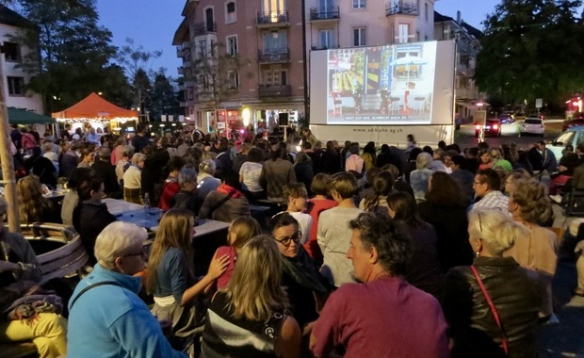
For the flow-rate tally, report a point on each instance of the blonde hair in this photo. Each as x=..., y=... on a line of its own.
x=534, y=203
x=138, y=157
x=32, y=205
x=175, y=230
x=255, y=290
x=423, y=160
x=495, y=229
x=344, y=183
x=244, y=229
x=118, y=239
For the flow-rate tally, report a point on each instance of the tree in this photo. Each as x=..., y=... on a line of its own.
x=216, y=74
x=164, y=97
x=531, y=49
x=70, y=53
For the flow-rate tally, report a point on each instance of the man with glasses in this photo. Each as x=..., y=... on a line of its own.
x=487, y=186
x=383, y=315
x=107, y=318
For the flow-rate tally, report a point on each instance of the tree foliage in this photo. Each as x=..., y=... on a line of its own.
x=70, y=53
x=532, y=49
x=163, y=97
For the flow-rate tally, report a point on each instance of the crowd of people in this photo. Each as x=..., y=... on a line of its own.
x=422, y=252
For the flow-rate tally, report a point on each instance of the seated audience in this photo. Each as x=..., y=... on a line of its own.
x=423, y=269
x=445, y=209
x=495, y=278
x=170, y=277
x=297, y=198
x=463, y=177
x=485, y=159
x=34, y=319
x=276, y=172
x=319, y=203
x=383, y=316
x=377, y=201
x=250, y=172
x=42, y=167
x=369, y=155
x=32, y=205
x=536, y=251
x=207, y=182
x=171, y=185
x=68, y=159
x=419, y=177
x=107, y=318
x=123, y=164
x=354, y=162
x=71, y=199
x=487, y=186
x=133, y=179
x=104, y=171
x=226, y=203
x=241, y=230
x=333, y=237
x=91, y=216
x=330, y=160
x=307, y=289
x=252, y=310
x=303, y=169
x=86, y=158
x=187, y=197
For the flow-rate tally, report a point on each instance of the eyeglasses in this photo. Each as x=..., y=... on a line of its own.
x=143, y=252
x=287, y=240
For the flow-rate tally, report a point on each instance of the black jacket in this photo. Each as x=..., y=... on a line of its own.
x=105, y=172
x=330, y=162
x=473, y=328
x=43, y=168
x=304, y=174
x=89, y=219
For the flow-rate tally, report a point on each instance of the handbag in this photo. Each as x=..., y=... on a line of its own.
x=493, y=309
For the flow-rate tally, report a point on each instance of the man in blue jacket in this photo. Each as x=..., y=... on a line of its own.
x=107, y=318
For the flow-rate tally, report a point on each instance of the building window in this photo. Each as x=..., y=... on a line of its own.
x=418, y=8
x=230, y=14
x=232, y=45
x=359, y=4
x=202, y=49
x=276, y=77
x=15, y=86
x=359, y=38
x=11, y=52
x=209, y=20
x=273, y=7
x=233, y=78
x=326, y=38
x=212, y=49
x=426, y=11
x=275, y=40
x=403, y=33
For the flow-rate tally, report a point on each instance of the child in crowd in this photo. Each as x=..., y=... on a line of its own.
x=316, y=205
x=297, y=198
x=240, y=232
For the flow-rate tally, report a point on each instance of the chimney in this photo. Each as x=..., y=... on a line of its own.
x=458, y=18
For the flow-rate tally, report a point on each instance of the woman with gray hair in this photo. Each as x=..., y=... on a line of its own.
x=207, y=183
x=124, y=163
x=133, y=179
x=419, y=178
x=106, y=303
x=187, y=197
x=492, y=306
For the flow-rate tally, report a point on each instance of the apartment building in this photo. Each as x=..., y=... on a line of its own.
x=467, y=48
x=242, y=62
x=353, y=23
x=15, y=79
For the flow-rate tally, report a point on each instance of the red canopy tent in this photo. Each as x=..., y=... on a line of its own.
x=95, y=107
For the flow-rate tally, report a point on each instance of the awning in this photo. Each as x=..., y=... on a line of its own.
x=94, y=106
x=24, y=117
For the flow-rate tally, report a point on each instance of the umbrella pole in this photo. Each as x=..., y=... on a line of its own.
x=7, y=162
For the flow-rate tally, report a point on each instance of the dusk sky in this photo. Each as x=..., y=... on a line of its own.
x=152, y=23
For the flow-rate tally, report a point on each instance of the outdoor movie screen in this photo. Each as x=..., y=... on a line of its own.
x=393, y=84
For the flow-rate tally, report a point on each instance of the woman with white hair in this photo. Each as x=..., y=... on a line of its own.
x=492, y=306
x=207, y=183
x=133, y=179
x=419, y=178
x=105, y=310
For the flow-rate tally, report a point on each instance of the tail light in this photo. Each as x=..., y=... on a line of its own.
x=478, y=127
x=495, y=126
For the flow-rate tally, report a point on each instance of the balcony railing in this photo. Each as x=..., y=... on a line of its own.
x=318, y=48
x=277, y=55
x=267, y=91
x=272, y=18
x=329, y=14
x=401, y=8
x=203, y=29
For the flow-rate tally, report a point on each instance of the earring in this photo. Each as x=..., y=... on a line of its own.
x=477, y=254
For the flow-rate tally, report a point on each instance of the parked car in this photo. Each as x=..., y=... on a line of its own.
x=506, y=118
x=492, y=127
x=572, y=136
x=532, y=126
x=577, y=120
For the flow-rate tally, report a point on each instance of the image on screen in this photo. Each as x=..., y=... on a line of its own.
x=391, y=84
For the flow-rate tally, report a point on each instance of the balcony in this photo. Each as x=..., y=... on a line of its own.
x=401, y=8
x=267, y=91
x=272, y=19
x=328, y=14
x=319, y=48
x=201, y=29
x=277, y=55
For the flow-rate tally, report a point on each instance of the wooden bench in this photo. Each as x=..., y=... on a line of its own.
x=67, y=259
